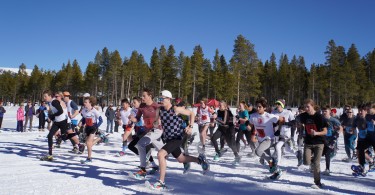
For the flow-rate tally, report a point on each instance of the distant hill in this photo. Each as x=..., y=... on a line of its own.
x=15, y=70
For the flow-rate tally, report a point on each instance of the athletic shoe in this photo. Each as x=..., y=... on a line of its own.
x=217, y=156
x=140, y=173
x=186, y=167
x=203, y=162
x=46, y=158
x=317, y=186
x=159, y=185
x=75, y=150
x=237, y=160
x=121, y=153
x=273, y=165
x=326, y=172
x=87, y=161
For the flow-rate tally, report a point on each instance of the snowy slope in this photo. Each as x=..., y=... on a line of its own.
x=22, y=173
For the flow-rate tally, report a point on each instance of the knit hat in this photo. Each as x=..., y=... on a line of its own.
x=281, y=102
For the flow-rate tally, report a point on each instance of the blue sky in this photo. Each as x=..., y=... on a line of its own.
x=49, y=33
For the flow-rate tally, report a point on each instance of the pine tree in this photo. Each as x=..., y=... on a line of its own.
x=245, y=67
x=77, y=79
x=186, y=79
x=33, y=85
x=197, y=70
x=217, y=77
x=156, y=72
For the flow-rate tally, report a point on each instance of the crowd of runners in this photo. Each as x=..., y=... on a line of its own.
x=266, y=131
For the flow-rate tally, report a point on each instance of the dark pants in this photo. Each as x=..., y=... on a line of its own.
x=228, y=133
x=116, y=126
x=19, y=126
x=63, y=126
x=132, y=147
x=315, y=150
x=42, y=120
x=1, y=121
x=248, y=138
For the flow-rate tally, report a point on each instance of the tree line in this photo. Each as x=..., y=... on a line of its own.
x=344, y=78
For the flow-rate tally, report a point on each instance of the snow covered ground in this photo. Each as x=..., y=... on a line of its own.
x=22, y=173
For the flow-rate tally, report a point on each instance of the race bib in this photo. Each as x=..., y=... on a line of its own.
x=204, y=117
x=261, y=133
x=149, y=123
x=89, y=122
x=310, y=127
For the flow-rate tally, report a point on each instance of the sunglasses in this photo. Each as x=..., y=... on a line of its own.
x=160, y=99
x=56, y=96
x=350, y=112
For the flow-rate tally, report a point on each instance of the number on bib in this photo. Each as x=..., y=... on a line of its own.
x=148, y=123
x=261, y=133
x=89, y=122
x=310, y=127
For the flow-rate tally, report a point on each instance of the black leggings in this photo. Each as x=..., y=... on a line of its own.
x=132, y=147
x=228, y=133
x=248, y=138
x=63, y=126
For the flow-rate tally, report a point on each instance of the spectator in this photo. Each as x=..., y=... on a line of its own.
x=110, y=114
x=20, y=118
x=42, y=116
x=117, y=118
x=29, y=113
x=2, y=111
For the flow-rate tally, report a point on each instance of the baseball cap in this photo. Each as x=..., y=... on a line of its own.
x=167, y=94
x=86, y=95
x=66, y=93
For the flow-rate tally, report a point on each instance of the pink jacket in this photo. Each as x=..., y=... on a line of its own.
x=20, y=114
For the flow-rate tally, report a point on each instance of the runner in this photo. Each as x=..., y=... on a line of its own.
x=333, y=130
x=151, y=135
x=126, y=124
x=283, y=131
x=315, y=129
x=262, y=125
x=204, y=113
x=91, y=120
x=73, y=112
x=59, y=122
x=226, y=129
x=350, y=135
x=243, y=119
x=301, y=135
x=173, y=134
